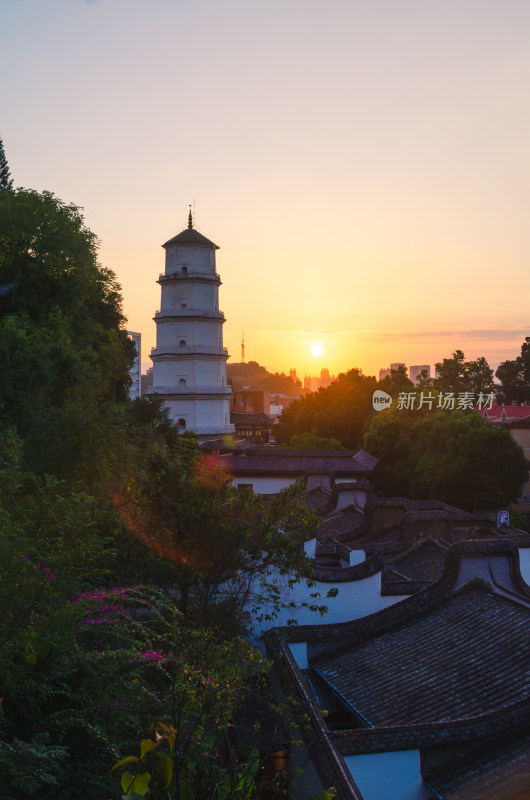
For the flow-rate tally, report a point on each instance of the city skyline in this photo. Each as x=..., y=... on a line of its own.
x=363, y=168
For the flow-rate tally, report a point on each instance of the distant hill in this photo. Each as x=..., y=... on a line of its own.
x=258, y=378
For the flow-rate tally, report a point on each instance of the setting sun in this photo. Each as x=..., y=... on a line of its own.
x=317, y=350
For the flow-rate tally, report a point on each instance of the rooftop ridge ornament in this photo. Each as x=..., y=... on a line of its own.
x=190, y=220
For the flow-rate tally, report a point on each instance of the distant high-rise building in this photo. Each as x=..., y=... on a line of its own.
x=383, y=373
x=135, y=371
x=414, y=371
x=397, y=365
x=325, y=378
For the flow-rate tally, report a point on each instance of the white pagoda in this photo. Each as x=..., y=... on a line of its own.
x=189, y=361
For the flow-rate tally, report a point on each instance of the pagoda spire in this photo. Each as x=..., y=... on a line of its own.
x=190, y=220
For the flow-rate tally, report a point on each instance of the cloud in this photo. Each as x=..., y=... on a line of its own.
x=383, y=335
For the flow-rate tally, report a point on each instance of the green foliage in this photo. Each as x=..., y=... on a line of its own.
x=515, y=377
x=457, y=375
x=98, y=496
x=311, y=441
x=340, y=411
x=5, y=176
x=179, y=503
x=398, y=381
x=344, y=410
x=258, y=378
x=455, y=457
x=64, y=356
x=199, y=681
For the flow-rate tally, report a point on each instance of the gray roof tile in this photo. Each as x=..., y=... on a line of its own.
x=468, y=656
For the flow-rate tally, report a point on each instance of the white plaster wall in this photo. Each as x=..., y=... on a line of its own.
x=207, y=414
x=524, y=563
x=182, y=408
x=205, y=295
x=264, y=485
x=196, y=258
x=299, y=651
x=389, y=776
x=211, y=413
x=310, y=547
x=195, y=295
x=357, y=557
x=355, y=599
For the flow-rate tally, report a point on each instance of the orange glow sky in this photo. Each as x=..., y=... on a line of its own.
x=364, y=166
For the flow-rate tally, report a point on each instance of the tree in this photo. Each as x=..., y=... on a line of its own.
x=339, y=411
x=311, y=441
x=6, y=181
x=424, y=380
x=456, y=457
x=218, y=541
x=253, y=375
x=457, y=375
x=64, y=352
x=515, y=377
x=398, y=381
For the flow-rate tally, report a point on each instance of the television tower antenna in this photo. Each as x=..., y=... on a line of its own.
x=243, y=347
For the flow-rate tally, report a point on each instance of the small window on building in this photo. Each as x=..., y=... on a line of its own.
x=526, y=499
x=181, y=422
x=182, y=343
x=184, y=270
x=182, y=381
x=184, y=305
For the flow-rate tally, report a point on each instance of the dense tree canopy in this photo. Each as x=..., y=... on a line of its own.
x=6, y=181
x=340, y=411
x=458, y=375
x=64, y=353
x=453, y=456
x=127, y=560
x=515, y=376
x=312, y=441
x=258, y=378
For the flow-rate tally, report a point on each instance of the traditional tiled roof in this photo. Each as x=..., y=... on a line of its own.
x=317, y=499
x=252, y=418
x=497, y=770
x=338, y=523
x=468, y=656
x=301, y=462
x=423, y=563
x=450, y=665
x=225, y=444
x=190, y=236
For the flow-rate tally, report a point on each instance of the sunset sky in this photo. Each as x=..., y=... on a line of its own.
x=363, y=166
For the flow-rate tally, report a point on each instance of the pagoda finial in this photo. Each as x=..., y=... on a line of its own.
x=190, y=219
